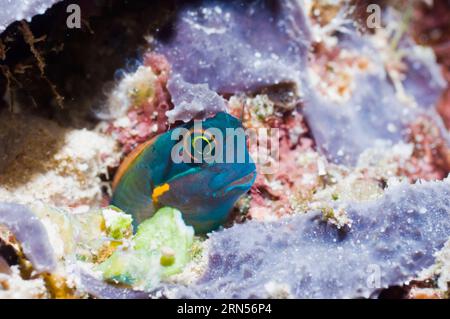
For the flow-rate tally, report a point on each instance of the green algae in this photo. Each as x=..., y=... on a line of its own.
x=161, y=248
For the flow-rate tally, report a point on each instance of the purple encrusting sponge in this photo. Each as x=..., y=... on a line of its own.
x=391, y=240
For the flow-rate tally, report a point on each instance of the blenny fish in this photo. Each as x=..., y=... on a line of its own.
x=200, y=171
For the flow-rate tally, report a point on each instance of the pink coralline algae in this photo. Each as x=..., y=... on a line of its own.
x=430, y=28
x=267, y=200
x=431, y=156
x=146, y=118
x=390, y=241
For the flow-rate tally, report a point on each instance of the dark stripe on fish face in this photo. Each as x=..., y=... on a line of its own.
x=242, y=184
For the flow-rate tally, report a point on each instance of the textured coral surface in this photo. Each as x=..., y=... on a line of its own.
x=351, y=198
x=389, y=242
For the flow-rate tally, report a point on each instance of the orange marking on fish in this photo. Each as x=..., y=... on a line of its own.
x=158, y=191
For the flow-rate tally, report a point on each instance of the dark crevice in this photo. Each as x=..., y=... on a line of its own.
x=68, y=71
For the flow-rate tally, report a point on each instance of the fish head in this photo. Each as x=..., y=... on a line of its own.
x=201, y=168
x=211, y=170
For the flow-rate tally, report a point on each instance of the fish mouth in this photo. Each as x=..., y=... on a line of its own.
x=242, y=183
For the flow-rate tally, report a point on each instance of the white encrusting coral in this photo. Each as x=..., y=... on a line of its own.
x=42, y=161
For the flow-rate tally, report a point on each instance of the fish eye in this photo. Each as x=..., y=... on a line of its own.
x=199, y=145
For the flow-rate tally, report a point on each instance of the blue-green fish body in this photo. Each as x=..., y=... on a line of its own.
x=168, y=171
